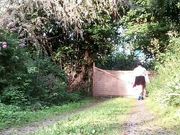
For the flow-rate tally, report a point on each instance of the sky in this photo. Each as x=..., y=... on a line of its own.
x=126, y=48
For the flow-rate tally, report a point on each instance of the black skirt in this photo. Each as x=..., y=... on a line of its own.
x=140, y=80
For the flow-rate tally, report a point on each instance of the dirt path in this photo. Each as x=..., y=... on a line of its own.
x=140, y=122
x=34, y=127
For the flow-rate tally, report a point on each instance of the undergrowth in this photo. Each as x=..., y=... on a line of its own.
x=165, y=88
x=167, y=117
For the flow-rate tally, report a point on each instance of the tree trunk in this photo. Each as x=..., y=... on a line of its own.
x=83, y=79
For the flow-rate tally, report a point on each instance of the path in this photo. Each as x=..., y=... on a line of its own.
x=34, y=127
x=140, y=122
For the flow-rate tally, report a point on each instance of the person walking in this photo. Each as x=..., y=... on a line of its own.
x=140, y=80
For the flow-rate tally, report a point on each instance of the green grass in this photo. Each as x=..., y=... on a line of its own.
x=12, y=116
x=167, y=117
x=104, y=119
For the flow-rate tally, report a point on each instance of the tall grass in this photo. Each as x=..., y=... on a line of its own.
x=165, y=88
x=167, y=117
x=104, y=119
x=11, y=116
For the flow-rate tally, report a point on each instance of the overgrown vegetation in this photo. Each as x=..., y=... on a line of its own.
x=106, y=118
x=13, y=116
x=27, y=80
x=152, y=26
x=55, y=44
x=54, y=48
x=117, y=61
x=166, y=117
x=72, y=33
x=165, y=89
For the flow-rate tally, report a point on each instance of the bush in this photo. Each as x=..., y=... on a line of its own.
x=117, y=61
x=25, y=80
x=166, y=87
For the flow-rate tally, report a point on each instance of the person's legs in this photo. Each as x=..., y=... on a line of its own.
x=143, y=86
x=144, y=90
x=140, y=84
x=140, y=92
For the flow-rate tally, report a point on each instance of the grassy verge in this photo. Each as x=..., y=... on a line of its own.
x=167, y=117
x=104, y=119
x=14, y=116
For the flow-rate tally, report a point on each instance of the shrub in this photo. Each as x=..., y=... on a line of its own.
x=166, y=87
x=25, y=80
x=117, y=61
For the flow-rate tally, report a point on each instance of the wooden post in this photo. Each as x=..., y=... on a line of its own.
x=93, y=79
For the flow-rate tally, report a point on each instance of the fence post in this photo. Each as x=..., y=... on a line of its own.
x=93, y=78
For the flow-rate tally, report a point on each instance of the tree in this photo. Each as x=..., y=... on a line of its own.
x=149, y=23
x=73, y=33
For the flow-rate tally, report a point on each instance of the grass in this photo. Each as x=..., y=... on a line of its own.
x=13, y=116
x=167, y=117
x=106, y=118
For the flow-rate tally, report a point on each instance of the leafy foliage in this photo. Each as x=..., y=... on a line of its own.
x=69, y=14
x=25, y=81
x=152, y=26
x=118, y=61
x=166, y=10
x=145, y=33
x=148, y=24
x=74, y=39
x=73, y=33
x=165, y=88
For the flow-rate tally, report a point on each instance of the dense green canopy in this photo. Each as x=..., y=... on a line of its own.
x=76, y=33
